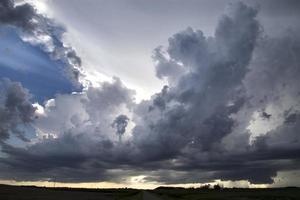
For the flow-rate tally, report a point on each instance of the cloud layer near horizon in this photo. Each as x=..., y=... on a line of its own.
x=202, y=126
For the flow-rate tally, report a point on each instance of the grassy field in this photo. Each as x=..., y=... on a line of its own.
x=230, y=194
x=40, y=193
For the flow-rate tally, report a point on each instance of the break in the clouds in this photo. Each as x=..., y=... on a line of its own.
x=33, y=53
x=229, y=110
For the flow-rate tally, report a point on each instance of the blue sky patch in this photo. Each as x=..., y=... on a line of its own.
x=30, y=65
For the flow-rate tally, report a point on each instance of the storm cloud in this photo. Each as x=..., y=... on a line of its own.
x=201, y=126
x=15, y=110
x=21, y=16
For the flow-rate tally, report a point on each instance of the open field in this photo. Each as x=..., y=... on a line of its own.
x=230, y=194
x=40, y=193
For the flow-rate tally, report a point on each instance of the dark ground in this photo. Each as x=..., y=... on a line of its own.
x=40, y=193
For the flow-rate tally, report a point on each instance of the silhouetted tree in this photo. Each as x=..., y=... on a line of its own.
x=217, y=187
x=205, y=187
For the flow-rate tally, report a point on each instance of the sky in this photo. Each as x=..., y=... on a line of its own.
x=98, y=93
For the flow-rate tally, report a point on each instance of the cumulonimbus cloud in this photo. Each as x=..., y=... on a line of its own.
x=15, y=109
x=195, y=130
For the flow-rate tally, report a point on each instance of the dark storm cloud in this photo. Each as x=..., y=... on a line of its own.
x=271, y=80
x=274, y=12
x=292, y=118
x=55, y=159
x=21, y=16
x=280, y=7
x=196, y=107
x=35, y=25
x=82, y=121
x=214, y=84
x=195, y=129
x=165, y=67
x=15, y=109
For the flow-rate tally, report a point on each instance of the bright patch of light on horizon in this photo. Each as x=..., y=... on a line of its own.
x=138, y=179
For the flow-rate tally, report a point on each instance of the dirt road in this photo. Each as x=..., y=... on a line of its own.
x=146, y=195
